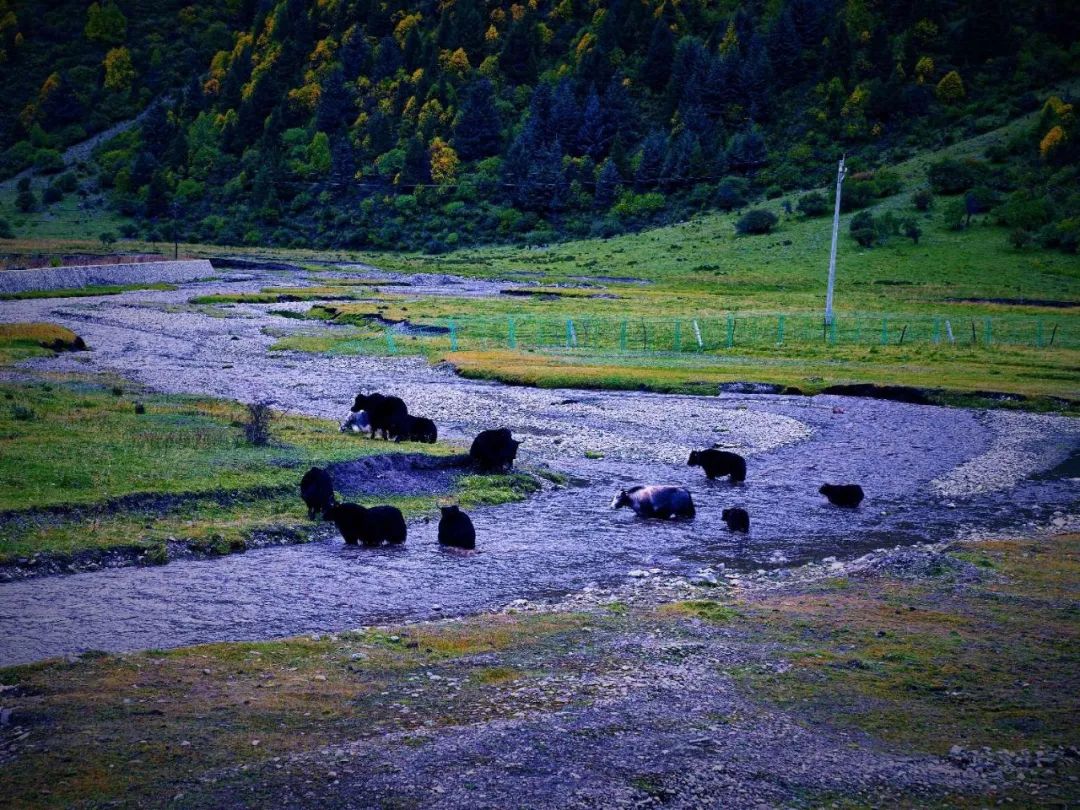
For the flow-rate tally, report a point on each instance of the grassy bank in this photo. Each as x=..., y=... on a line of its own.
x=82, y=292
x=87, y=464
x=915, y=665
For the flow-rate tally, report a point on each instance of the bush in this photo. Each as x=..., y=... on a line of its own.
x=5, y=230
x=257, y=424
x=922, y=199
x=955, y=215
x=863, y=230
x=953, y=176
x=67, y=182
x=756, y=221
x=731, y=193
x=23, y=184
x=813, y=204
x=1021, y=239
x=48, y=161
x=108, y=238
x=26, y=201
x=1025, y=211
x=1064, y=235
x=911, y=230
x=51, y=195
x=856, y=194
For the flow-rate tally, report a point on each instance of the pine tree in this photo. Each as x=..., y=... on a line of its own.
x=608, y=185
x=595, y=133
x=785, y=47
x=651, y=162
x=335, y=110
x=477, y=131
x=656, y=70
x=356, y=56
x=566, y=116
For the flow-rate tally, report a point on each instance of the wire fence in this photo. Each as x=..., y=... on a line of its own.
x=719, y=334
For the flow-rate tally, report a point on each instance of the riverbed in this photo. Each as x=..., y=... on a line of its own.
x=929, y=473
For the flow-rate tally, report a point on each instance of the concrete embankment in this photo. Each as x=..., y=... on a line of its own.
x=55, y=278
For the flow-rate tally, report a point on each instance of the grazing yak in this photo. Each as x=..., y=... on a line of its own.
x=656, y=501
x=718, y=463
x=847, y=495
x=456, y=529
x=494, y=449
x=317, y=491
x=357, y=422
x=368, y=525
x=737, y=519
x=414, y=429
x=383, y=412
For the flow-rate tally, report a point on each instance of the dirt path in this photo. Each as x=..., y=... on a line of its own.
x=929, y=473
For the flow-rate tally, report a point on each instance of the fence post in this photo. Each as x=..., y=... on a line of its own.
x=678, y=336
x=884, y=331
x=948, y=331
x=390, y=345
x=622, y=337
x=1038, y=333
x=780, y=331
x=511, y=333
x=571, y=335
x=453, y=335
x=987, y=336
x=697, y=335
x=730, y=331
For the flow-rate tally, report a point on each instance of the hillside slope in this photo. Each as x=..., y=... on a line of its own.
x=424, y=125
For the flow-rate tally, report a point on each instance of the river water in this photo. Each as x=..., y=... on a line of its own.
x=929, y=473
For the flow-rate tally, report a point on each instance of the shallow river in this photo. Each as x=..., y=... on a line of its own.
x=928, y=472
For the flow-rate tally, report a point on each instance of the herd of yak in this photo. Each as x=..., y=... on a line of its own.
x=495, y=450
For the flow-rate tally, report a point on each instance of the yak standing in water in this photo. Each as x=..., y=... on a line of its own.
x=846, y=495
x=718, y=463
x=656, y=501
x=456, y=529
x=368, y=525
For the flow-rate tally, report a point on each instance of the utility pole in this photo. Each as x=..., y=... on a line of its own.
x=840, y=175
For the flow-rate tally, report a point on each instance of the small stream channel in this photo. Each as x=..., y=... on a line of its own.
x=929, y=473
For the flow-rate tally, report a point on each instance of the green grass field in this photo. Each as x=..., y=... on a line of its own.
x=82, y=443
x=634, y=300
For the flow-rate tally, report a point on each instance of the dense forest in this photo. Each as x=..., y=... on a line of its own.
x=424, y=124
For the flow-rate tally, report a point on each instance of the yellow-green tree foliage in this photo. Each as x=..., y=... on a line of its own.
x=119, y=70
x=950, y=90
x=105, y=23
x=444, y=162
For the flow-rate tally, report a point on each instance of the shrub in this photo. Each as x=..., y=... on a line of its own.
x=950, y=90
x=108, y=239
x=26, y=201
x=813, y=204
x=731, y=193
x=922, y=199
x=51, y=195
x=953, y=176
x=756, y=221
x=20, y=413
x=1021, y=238
x=5, y=230
x=856, y=194
x=23, y=184
x=67, y=182
x=1025, y=211
x=863, y=229
x=257, y=424
x=911, y=230
x=955, y=215
x=48, y=161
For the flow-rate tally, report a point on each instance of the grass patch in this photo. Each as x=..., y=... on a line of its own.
x=703, y=609
x=19, y=341
x=81, y=292
x=928, y=665
x=138, y=727
x=181, y=469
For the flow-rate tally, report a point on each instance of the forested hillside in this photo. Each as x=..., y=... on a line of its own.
x=413, y=123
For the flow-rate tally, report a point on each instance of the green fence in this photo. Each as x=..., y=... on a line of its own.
x=730, y=332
